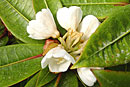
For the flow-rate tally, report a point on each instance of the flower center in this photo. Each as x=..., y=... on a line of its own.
x=59, y=60
x=72, y=42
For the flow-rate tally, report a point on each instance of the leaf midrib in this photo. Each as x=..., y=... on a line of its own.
x=127, y=32
x=17, y=11
x=112, y=3
x=19, y=61
x=23, y=60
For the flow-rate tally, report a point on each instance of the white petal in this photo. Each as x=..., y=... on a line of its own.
x=57, y=59
x=69, y=58
x=62, y=67
x=32, y=30
x=86, y=76
x=88, y=26
x=46, y=58
x=49, y=54
x=44, y=62
x=63, y=17
x=60, y=52
x=43, y=27
x=69, y=17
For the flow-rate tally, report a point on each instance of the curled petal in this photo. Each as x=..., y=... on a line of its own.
x=86, y=76
x=44, y=62
x=88, y=26
x=69, y=17
x=54, y=66
x=43, y=27
x=57, y=59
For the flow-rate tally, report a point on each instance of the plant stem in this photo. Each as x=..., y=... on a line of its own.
x=58, y=80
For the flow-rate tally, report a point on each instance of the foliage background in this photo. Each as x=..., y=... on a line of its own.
x=109, y=46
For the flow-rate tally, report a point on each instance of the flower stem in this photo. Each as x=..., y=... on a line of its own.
x=58, y=80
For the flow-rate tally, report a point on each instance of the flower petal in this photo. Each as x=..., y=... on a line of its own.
x=69, y=17
x=44, y=62
x=88, y=26
x=57, y=59
x=86, y=76
x=61, y=67
x=60, y=52
x=43, y=27
x=69, y=58
x=46, y=58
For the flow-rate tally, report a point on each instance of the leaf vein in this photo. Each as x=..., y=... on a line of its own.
x=17, y=11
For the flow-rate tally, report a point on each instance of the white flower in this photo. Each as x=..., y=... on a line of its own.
x=69, y=18
x=43, y=27
x=57, y=59
x=87, y=76
x=88, y=26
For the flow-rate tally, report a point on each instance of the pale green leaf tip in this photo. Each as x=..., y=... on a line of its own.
x=74, y=66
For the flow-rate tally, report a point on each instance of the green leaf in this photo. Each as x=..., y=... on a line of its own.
x=68, y=79
x=108, y=78
x=1, y=25
x=124, y=67
x=81, y=85
x=38, y=5
x=51, y=84
x=11, y=70
x=23, y=6
x=53, y=5
x=16, y=14
x=99, y=8
x=22, y=83
x=3, y=41
x=41, y=78
x=110, y=44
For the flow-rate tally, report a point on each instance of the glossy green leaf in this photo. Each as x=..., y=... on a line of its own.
x=68, y=79
x=23, y=6
x=16, y=14
x=11, y=71
x=1, y=25
x=110, y=44
x=41, y=78
x=108, y=78
x=124, y=67
x=22, y=83
x=51, y=84
x=3, y=41
x=81, y=85
x=53, y=5
x=99, y=8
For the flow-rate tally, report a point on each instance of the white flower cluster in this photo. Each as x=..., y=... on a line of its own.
x=57, y=58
